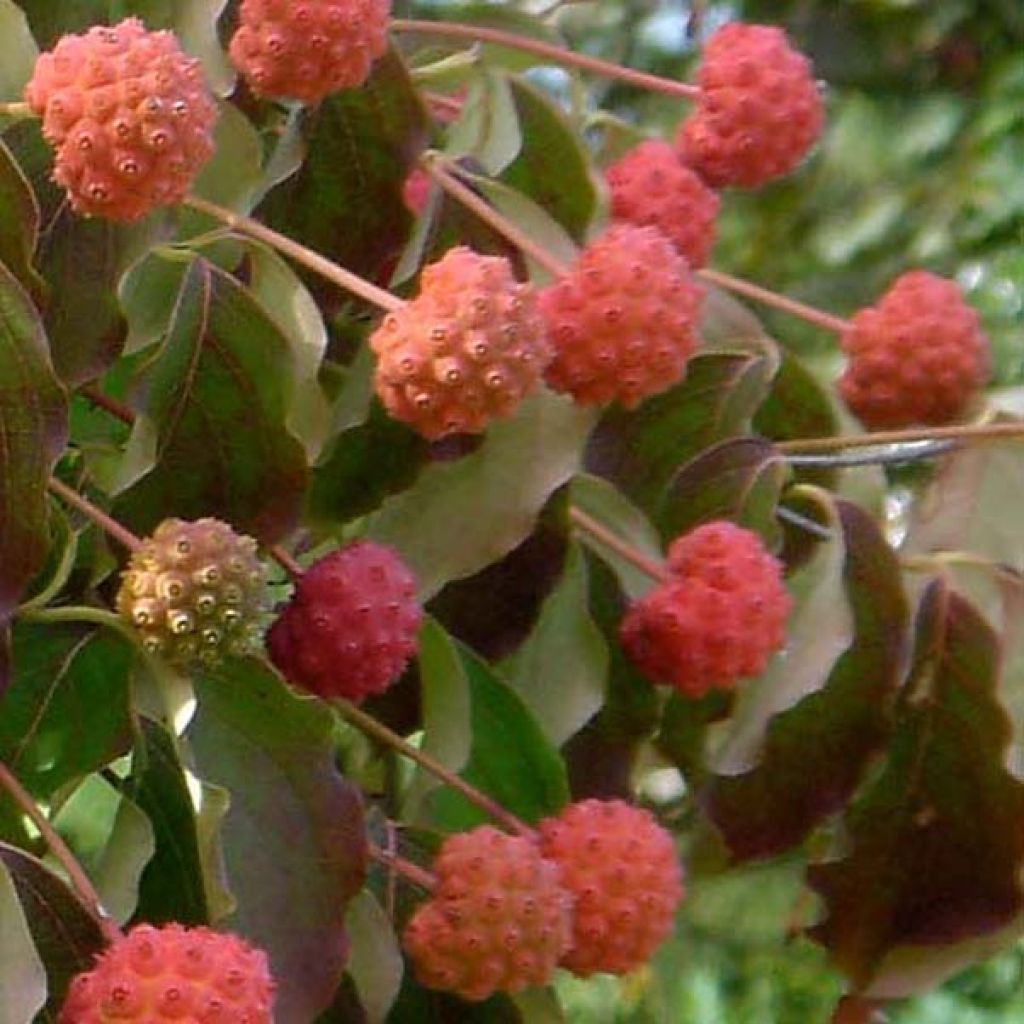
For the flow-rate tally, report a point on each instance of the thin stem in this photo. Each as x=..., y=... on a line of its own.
x=432, y=164
x=411, y=872
x=897, y=455
x=964, y=433
x=16, y=109
x=369, y=725
x=443, y=107
x=286, y=561
x=327, y=269
x=111, y=526
x=769, y=298
x=556, y=54
x=599, y=532
x=111, y=405
x=79, y=879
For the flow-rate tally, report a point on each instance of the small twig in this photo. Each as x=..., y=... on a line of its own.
x=908, y=452
x=84, y=888
x=433, y=164
x=286, y=561
x=556, y=54
x=107, y=523
x=601, y=533
x=787, y=515
x=962, y=433
x=371, y=727
x=409, y=871
x=769, y=298
x=111, y=405
x=327, y=269
x=16, y=109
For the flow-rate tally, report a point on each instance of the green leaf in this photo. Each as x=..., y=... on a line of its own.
x=22, y=975
x=493, y=496
x=211, y=438
x=293, y=839
x=67, y=712
x=19, y=52
x=375, y=962
x=814, y=732
x=560, y=670
x=345, y=201
x=66, y=938
x=510, y=758
x=233, y=175
x=33, y=424
x=19, y=222
x=935, y=845
x=487, y=130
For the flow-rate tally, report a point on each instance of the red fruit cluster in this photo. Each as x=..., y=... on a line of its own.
x=919, y=356
x=621, y=868
x=650, y=186
x=465, y=351
x=306, y=49
x=718, y=619
x=498, y=920
x=350, y=627
x=128, y=115
x=623, y=319
x=192, y=975
x=759, y=110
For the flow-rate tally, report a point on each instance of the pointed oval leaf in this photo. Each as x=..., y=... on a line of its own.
x=376, y=964
x=487, y=129
x=22, y=975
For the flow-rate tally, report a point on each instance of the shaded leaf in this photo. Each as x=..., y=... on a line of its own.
x=18, y=52
x=375, y=964
x=19, y=222
x=293, y=839
x=211, y=438
x=936, y=843
x=487, y=129
x=21, y=971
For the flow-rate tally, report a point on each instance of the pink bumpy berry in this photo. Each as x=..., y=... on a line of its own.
x=621, y=868
x=718, y=619
x=759, y=110
x=129, y=118
x=649, y=185
x=919, y=356
x=350, y=627
x=498, y=920
x=465, y=351
x=623, y=319
x=192, y=975
x=306, y=49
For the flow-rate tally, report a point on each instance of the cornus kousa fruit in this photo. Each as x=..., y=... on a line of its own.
x=351, y=625
x=919, y=356
x=465, y=351
x=190, y=975
x=306, y=49
x=759, y=110
x=195, y=591
x=718, y=619
x=498, y=920
x=621, y=869
x=623, y=319
x=649, y=185
x=128, y=116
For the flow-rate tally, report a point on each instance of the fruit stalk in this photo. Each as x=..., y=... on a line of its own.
x=963, y=433
x=556, y=54
x=107, y=523
x=409, y=871
x=84, y=888
x=602, y=534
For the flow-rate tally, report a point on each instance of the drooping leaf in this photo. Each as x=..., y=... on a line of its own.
x=33, y=423
x=560, y=670
x=487, y=130
x=66, y=937
x=293, y=840
x=67, y=711
x=22, y=975
x=211, y=436
x=18, y=51
x=936, y=843
x=812, y=733
x=460, y=516
x=510, y=759
x=375, y=964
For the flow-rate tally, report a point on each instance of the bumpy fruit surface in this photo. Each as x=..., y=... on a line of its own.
x=623, y=319
x=128, y=116
x=621, y=868
x=718, y=619
x=189, y=975
x=498, y=920
x=350, y=628
x=306, y=49
x=919, y=356
x=649, y=185
x=465, y=351
x=195, y=591
x=759, y=110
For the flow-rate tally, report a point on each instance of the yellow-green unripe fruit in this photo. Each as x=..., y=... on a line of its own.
x=195, y=591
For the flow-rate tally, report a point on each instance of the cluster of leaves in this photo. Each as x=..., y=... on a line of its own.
x=880, y=747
